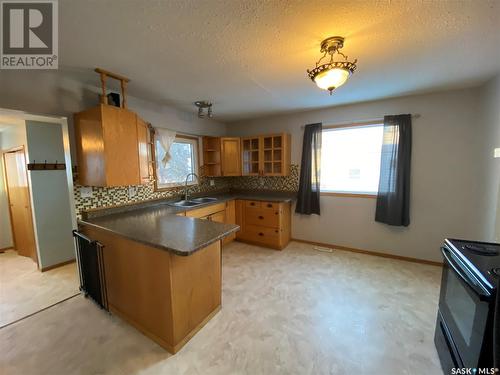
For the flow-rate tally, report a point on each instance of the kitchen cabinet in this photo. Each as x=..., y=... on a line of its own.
x=230, y=156
x=266, y=155
x=112, y=147
x=143, y=142
x=211, y=157
x=219, y=212
x=221, y=156
x=230, y=218
x=264, y=223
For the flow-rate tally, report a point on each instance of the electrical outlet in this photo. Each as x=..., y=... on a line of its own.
x=261, y=182
x=132, y=191
x=212, y=182
x=86, y=192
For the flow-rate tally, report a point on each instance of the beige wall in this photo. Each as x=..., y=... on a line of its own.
x=63, y=94
x=490, y=98
x=447, y=168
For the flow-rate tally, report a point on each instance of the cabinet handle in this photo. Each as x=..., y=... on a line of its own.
x=277, y=231
x=269, y=205
x=261, y=217
x=276, y=213
x=261, y=234
x=252, y=204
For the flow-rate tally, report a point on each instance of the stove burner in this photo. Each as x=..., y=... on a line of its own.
x=495, y=271
x=480, y=249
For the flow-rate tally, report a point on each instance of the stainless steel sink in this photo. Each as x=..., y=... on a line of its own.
x=203, y=200
x=193, y=202
x=184, y=204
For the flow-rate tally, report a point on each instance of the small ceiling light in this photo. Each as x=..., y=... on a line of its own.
x=202, y=106
x=330, y=75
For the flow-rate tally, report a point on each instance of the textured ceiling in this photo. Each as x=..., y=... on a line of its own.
x=250, y=56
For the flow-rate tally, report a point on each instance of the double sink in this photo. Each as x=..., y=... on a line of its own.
x=193, y=202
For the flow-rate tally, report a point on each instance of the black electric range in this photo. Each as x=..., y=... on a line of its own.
x=464, y=334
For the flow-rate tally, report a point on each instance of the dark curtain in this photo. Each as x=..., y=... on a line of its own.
x=308, y=197
x=393, y=198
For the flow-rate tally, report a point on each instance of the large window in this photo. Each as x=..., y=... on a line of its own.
x=350, y=159
x=183, y=160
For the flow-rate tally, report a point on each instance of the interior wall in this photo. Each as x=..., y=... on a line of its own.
x=49, y=189
x=491, y=118
x=446, y=168
x=5, y=228
x=62, y=93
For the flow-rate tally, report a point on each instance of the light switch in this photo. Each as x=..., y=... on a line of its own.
x=496, y=153
x=86, y=192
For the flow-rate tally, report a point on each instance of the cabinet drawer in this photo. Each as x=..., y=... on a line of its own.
x=270, y=205
x=262, y=217
x=264, y=235
x=205, y=211
x=252, y=204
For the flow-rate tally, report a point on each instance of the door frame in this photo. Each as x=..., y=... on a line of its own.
x=63, y=122
x=6, y=178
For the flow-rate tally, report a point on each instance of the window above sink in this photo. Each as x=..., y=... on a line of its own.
x=183, y=161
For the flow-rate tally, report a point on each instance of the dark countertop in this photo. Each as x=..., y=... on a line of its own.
x=156, y=224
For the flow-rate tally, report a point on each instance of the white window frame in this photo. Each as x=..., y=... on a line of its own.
x=179, y=138
x=343, y=193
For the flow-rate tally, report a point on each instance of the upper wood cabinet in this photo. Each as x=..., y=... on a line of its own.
x=221, y=156
x=230, y=156
x=112, y=147
x=266, y=155
x=212, y=157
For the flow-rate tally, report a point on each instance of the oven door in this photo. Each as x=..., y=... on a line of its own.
x=464, y=305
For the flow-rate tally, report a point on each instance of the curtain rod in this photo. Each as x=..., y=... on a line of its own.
x=360, y=122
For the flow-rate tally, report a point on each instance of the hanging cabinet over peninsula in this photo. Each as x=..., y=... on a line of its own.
x=111, y=147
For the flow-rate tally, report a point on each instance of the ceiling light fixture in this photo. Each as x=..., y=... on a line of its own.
x=202, y=105
x=330, y=75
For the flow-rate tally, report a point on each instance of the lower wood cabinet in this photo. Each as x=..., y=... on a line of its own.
x=219, y=212
x=264, y=223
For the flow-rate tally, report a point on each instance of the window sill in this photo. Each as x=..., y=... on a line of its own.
x=173, y=187
x=348, y=195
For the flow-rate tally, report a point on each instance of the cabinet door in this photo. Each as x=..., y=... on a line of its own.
x=230, y=219
x=230, y=156
x=142, y=140
x=120, y=146
x=251, y=156
x=218, y=217
x=240, y=213
x=275, y=155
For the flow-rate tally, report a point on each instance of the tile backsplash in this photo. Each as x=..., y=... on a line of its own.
x=106, y=197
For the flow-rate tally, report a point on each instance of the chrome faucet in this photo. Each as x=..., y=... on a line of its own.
x=186, y=193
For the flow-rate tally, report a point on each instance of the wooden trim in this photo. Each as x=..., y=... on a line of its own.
x=28, y=182
x=4, y=249
x=370, y=252
x=153, y=162
x=48, y=268
x=348, y=195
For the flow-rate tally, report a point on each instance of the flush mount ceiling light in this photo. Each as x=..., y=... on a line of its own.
x=202, y=105
x=330, y=75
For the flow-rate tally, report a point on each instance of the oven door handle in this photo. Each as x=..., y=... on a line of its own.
x=483, y=294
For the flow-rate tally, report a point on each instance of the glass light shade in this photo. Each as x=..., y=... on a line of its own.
x=332, y=78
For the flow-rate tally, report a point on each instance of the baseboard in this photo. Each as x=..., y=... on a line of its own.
x=369, y=252
x=57, y=265
x=4, y=249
